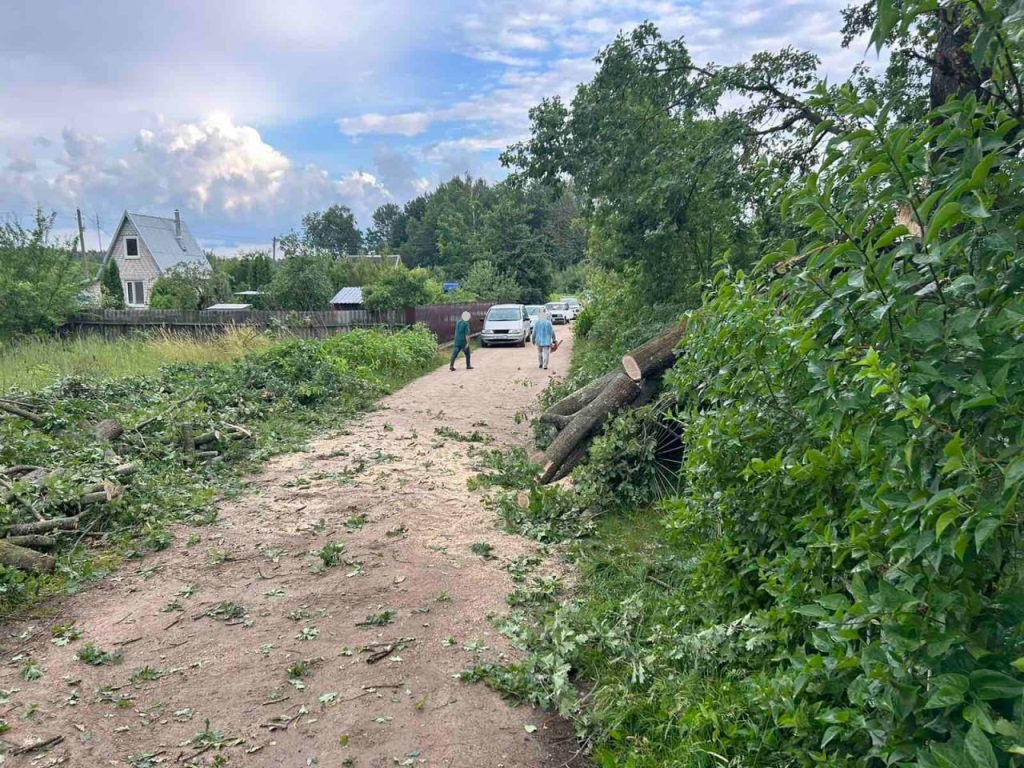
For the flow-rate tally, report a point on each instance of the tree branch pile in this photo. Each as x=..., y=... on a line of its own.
x=579, y=416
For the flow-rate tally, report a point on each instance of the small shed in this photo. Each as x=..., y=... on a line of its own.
x=348, y=298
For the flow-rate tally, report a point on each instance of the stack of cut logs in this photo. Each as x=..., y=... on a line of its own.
x=578, y=417
x=19, y=543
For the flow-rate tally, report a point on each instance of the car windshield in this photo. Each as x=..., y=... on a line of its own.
x=556, y=305
x=571, y=302
x=533, y=310
x=505, y=313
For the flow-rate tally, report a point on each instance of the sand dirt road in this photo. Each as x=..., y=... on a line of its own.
x=394, y=493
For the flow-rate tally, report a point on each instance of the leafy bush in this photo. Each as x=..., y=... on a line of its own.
x=189, y=287
x=399, y=287
x=301, y=282
x=40, y=279
x=111, y=287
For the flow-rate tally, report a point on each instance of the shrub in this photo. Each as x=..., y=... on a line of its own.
x=111, y=287
x=399, y=287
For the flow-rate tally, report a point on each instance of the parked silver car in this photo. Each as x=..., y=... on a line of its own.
x=506, y=324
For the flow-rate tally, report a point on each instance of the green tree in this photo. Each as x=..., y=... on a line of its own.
x=388, y=231
x=40, y=278
x=111, y=287
x=189, y=287
x=301, y=282
x=485, y=283
x=400, y=287
x=514, y=247
x=333, y=231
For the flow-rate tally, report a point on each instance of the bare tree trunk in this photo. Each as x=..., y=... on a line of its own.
x=108, y=430
x=581, y=397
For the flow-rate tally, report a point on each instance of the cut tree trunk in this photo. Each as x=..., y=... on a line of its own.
x=656, y=356
x=24, y=558
x=556, y=420
x=620, y=391
x=32, y=542
x=188, y=439
x=56, y=524
x=108, y=430
x=571, y=404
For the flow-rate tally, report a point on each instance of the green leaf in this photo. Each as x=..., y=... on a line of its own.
x=984, y=530
x=890, y=237
x=945, y=520
x=981, y=170
x=979, y=749
x=943, y=218
x=977, y=714
x=1014, y=473
x=947, y=691
x=989, y=685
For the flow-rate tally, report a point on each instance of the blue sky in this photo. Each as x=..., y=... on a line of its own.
x=246, y=114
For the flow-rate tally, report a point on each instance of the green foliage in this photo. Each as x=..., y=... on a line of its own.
x=40, y=279
x=90, y=654
x=835, y=579
x=189, y=287
x=509, y=469
x=485, y=283
x=400, y=287
x=332, y=232
x=302, y=282
x=111, y=287
x=282, y=393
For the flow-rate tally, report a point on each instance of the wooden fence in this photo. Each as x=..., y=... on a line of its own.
x=117, y=323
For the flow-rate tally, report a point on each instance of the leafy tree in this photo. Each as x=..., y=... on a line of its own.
x=333, y=231
x=514, y=247
x=388, y=231
x=111, y=287
x=301, y=282
x=485, y=283
x=40, y=278
x=189, y=287
x=400, y=287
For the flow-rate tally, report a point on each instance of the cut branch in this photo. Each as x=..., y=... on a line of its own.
x=569, y=405
x=17, y=410
x=24, y=558
x=46, y=526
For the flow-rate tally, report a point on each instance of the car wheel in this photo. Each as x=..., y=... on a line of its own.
x=483, y=344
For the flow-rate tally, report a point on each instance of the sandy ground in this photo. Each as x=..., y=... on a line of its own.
x=394, y=493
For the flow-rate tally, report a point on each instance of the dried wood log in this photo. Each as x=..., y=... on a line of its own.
x=206, y=438
x=621, y=390
x=20, y=469
x=24, y=558
x=46, y=526
x=571, y=404
x=17, y=410
x=35, y=541
x=108, y=430
x=203, y=455
x=655, y=357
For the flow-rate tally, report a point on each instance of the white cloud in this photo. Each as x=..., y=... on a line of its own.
x=408, y=124
x=214, y=168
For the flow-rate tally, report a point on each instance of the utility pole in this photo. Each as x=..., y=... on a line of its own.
x=99, y=236
x=273, y=248
x=81, y=232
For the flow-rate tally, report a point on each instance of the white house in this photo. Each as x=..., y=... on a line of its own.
x=147, y=246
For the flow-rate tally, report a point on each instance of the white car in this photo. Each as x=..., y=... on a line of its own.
x=558, y=312
x=573, y=305
x=506, y=324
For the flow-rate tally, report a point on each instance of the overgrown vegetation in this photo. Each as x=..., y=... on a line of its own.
x=833, y=575
x=282, y=394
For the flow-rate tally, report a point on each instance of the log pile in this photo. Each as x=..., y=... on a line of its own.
x=27, y=490
x=579, y=416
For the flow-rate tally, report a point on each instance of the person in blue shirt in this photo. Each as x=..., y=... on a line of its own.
x=543, y=336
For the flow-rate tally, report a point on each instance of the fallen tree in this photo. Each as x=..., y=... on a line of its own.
x=578, y=416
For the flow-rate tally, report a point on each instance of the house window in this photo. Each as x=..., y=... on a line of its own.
x=131, y=247
x=135, y=293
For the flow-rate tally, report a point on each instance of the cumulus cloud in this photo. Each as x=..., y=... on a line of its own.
x=214, y=168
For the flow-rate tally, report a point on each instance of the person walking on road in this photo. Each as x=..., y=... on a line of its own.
x=543, y=337
x=461, y=343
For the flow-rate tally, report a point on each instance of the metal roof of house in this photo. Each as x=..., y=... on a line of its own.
x=158, y=235
x=230, y=307
x=348, y=296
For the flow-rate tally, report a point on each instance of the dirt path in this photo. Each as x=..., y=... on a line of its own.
x=394, y=493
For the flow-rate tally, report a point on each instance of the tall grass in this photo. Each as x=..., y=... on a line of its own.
x=31, y=364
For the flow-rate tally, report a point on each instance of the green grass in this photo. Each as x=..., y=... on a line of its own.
x=34, y=363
